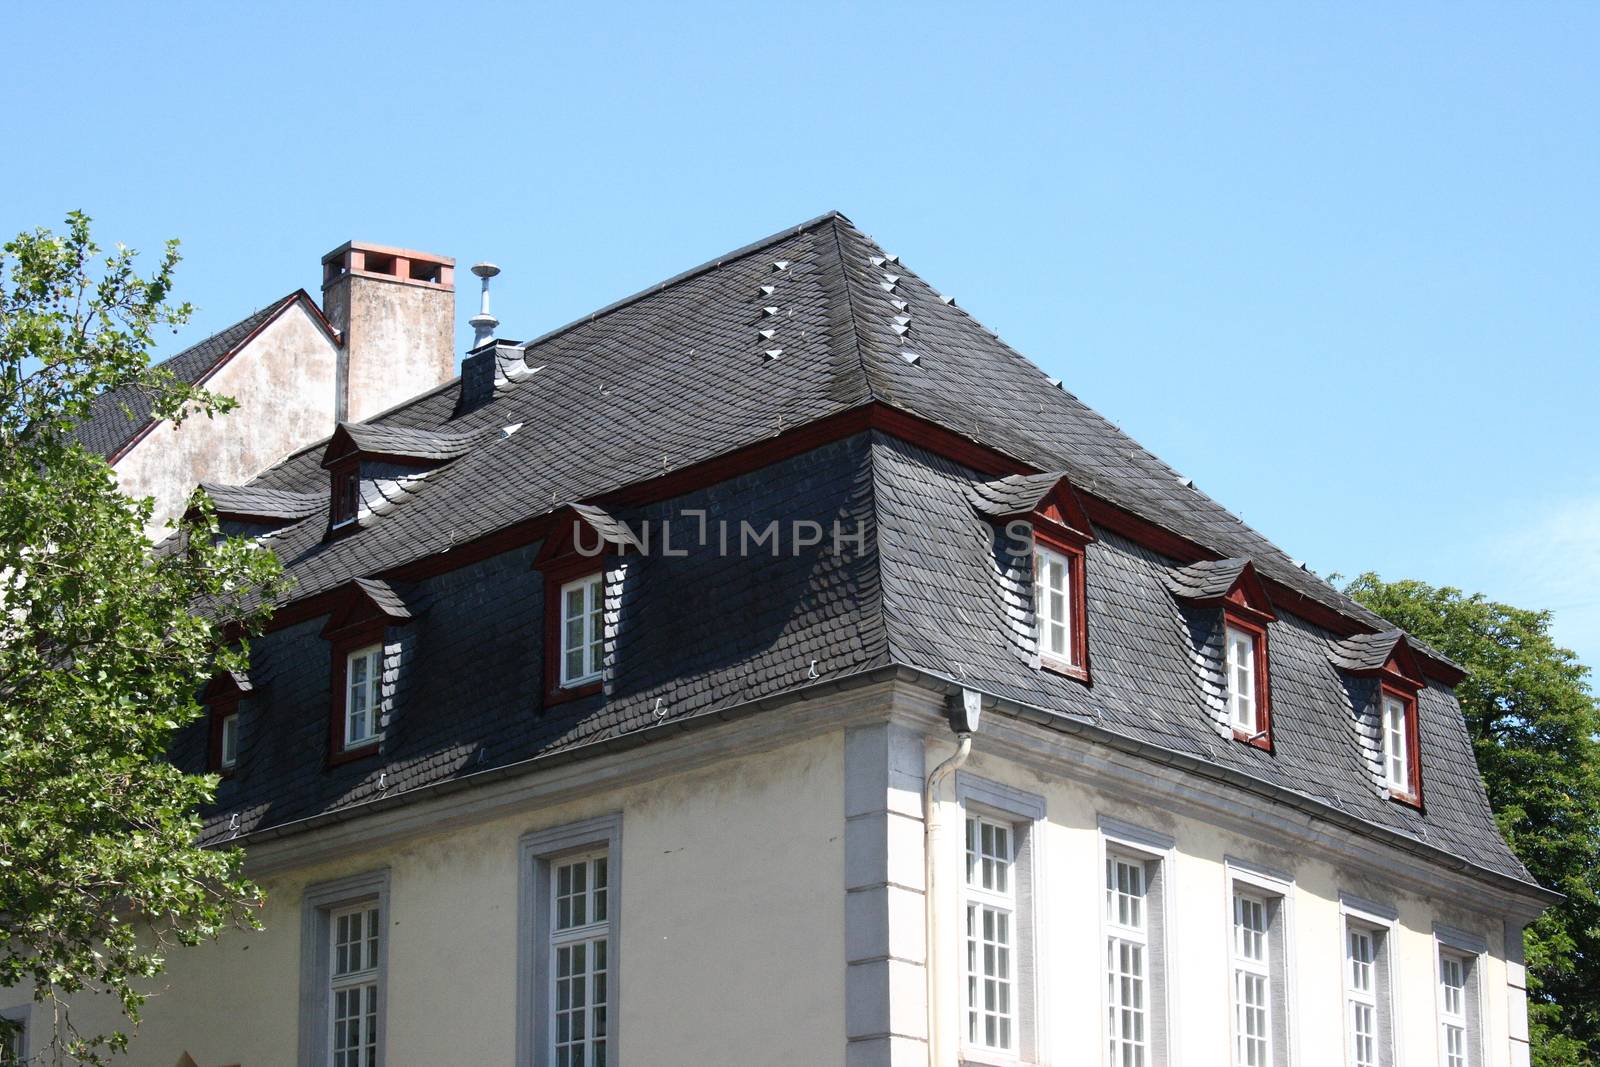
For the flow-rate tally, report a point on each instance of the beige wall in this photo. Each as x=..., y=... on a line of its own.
x=284, y=382
x=1071, y=877
x=731, y=932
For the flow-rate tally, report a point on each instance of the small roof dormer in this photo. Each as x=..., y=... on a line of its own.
x=374, y=469
x=1222, y=583
x=1046, y=499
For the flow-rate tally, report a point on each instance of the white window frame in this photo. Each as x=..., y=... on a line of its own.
x=542, y=854
x=1377, y=923
x=1388, y=703
x=1274, y=890
x=592, y=623
x=228, y=744
x=1250, y=726
x=1467, y=950
x=1151, y=851
x=979, y=905
x=1021, y=813
x=371, y=656
x=365, y=921
x=1043, y=617
x=321, y=905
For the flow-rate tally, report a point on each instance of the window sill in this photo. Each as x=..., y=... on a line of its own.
x=1263, y=742
x=350, y=755
x=1410, y=800
x=986, y=1058
x=562, y=694
x=1066, y=670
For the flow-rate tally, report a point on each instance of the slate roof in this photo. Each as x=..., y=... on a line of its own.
x=813, y=322
x=1205, y=580
x=1016, y=494
x=409, y=441
x=262, y=503
x=118, y=416
x=1365, y=652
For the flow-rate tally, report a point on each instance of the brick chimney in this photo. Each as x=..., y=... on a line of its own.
x=395, y=311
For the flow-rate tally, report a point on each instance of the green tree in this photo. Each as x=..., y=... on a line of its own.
x=105, y=640
x=1535, y=725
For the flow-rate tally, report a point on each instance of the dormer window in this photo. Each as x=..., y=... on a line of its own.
x=363, y=640
x=1243, y=703
x=578, y=552
x=221, y=697
x=228, y=757
x=1225, y=603
x=582, y=629
x=363, y=696
x=387, y=461
x=1400, y=744
x=1055, y=584
x=1043, y=513
x=346, y=495
x=1387, y=718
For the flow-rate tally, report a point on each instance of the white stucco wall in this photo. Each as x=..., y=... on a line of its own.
x=1071, y=877
x=284, y=380
x=731, y=932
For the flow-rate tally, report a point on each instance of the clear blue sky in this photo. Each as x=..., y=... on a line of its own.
x=1341, y=264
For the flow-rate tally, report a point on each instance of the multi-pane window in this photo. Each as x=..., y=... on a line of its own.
x=1397, y=744
x=346, y=496
x=580, y=939
x=1361, y=995
x=1127, y=963
x=363, y=695
x=1243, y=705
x=582, y=629
x=991, y=935
x=1052, y=605
x=1453, y=1045
x=12, y=1046
x=228, y=746
x=353, y=986
x=1252, y=982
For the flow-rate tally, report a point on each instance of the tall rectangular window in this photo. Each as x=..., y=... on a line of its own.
x=1453, y=1023
x=990, y=936
x=1127, y=963
x=353, y=985
x=1252, y=982
x=229, y=744
x=1052, y=603
x=567, y=948
x=1361, y=995
x=363, y=695
x=1242, y=702
x=1397, y=744
x=580, y=937
x=582, y=629
x=343, y=964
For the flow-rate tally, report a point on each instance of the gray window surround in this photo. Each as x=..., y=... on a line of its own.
x=1379, y=920
x=980, y=796
x=1470, y=948
x=25, y=1014
x=317, y=903
x=1276, y=888
x=1154, y=849
x=535, y=852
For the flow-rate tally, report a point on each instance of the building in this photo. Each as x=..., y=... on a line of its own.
x=775, y=667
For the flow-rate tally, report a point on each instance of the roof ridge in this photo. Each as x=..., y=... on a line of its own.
x=264, y=310
x=850, y=311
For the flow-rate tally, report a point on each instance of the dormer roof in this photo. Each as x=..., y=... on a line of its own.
x=403, y=444
x=252, y=503
x=1221, y=582
x=1388, y=654
x=1027, y=496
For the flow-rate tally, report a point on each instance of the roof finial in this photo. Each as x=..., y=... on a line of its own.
x=483, y=323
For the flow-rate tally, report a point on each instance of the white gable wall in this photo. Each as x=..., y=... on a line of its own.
x=284, y=380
